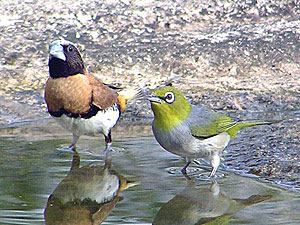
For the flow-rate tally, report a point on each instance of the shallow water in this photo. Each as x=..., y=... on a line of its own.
x=35, y=164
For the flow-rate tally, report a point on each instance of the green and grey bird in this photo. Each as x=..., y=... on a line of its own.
x=192, y=131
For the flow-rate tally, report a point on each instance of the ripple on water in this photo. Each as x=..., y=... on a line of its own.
x=33, y=170
x=22, y=217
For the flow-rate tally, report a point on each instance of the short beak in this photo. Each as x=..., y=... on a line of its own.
x=154, y=98
x=56, y=50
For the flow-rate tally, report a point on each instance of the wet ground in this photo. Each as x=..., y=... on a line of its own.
x=239, y=58
x=141, y=184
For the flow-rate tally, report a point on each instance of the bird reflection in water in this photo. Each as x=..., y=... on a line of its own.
x=203, y=205
x=86, y=196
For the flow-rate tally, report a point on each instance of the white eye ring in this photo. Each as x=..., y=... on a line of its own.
x=70, y=48
x=169, y=97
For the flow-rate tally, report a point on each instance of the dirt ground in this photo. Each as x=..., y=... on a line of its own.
x=238, y=56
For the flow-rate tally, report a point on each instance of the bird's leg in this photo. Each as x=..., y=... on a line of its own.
x=75, y=161
x=73, y=145
x=185, y=167
x=214, y=188
x=215, y=162
x=200, y=165
x=107, y=162
x=108, y=143
x=187, y=177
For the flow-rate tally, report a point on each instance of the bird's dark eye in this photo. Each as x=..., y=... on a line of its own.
x=169, y=97
x=70, y=48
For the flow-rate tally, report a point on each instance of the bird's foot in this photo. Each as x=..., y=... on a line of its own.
x=201, y=166
x=183, y=171
x=107, y=149
x=113, y=149
x=74, y=142
x=64, y=149
x=185, y=167
x=213, y=173
x=186, y=175
x=72, y=147
x=117, y=149
x=213, y=177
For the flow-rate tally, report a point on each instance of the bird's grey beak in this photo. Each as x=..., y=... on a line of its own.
x=56, y=50
x=154, y=98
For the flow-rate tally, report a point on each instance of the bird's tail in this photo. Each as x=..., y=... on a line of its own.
x=129, y=94
x=254, y=199
x=245, y=124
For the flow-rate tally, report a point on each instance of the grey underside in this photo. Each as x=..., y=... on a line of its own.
x=180, y=140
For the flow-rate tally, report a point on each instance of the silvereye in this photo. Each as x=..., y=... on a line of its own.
x=191, y=131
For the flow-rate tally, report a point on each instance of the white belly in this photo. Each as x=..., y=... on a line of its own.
x=212, y=145
x=179, y=141
x=101, y=123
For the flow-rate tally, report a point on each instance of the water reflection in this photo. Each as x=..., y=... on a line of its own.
x=86, y=196
x=203, y=204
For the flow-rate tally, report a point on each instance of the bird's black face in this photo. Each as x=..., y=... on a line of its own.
x=65, y=60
